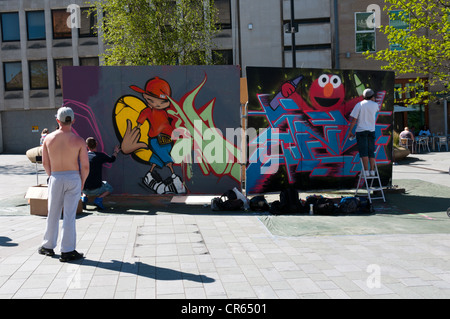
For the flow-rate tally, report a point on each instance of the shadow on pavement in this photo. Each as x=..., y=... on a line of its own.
x=407, y=204
x=7, y=242
x=145, y=270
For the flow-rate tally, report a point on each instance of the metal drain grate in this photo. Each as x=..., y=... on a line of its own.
x=169, y=240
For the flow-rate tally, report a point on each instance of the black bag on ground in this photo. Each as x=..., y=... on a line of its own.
x=321, y=205
x=312, y=199
x=275, y=208
x=365, y=206
x=289, y=203
x=233, y=204
x=228, y=201
x=349, y=205
x=216, y=204
x=229, y=194
x=259, y=203
x=325, y=206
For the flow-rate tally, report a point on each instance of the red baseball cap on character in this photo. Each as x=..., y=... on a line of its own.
x=155, y=87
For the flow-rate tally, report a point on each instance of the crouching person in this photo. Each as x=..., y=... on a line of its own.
x=95, y=185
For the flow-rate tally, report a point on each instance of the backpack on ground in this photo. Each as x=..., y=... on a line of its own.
x=312, y=200
x=228, y=202
x=259, y=204
x=325, y=206
x=216, y=204
x=229, y=195
x=321, y=205
x=289, y=203
x=275, y=208
x=290, y=200
x=365, y=206
x=349, y=205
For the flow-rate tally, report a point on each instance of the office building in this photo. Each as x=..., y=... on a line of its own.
x=36, y=42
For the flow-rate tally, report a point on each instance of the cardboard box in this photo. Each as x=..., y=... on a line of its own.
x=38, y=196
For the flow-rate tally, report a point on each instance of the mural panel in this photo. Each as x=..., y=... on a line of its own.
x=170, y=122
x=298, y=121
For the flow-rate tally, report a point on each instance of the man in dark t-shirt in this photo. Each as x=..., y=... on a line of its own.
x=95, y=185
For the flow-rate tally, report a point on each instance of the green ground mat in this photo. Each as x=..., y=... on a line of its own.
x=422, y=209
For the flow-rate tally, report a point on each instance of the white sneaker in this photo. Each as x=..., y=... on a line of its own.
x=152, y=180
x=172, y=185
x=373, y=173
x=179, y=186
x=149, y=181
x=162, y=188
x=367, y=173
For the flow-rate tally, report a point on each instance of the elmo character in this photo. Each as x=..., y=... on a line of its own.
x=327, y=93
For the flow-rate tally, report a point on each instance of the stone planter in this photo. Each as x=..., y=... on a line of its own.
x=400, y=153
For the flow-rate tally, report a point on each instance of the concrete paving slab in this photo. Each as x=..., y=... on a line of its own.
x=164, y=250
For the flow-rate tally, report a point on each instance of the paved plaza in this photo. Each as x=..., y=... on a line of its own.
x=192, y=253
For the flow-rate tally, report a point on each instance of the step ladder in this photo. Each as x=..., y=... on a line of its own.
x=368, y=182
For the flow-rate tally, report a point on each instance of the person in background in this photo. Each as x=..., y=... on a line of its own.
x=65, y=160
x=407, y=134
x=43, y=135
x=425, y=131
x=95, y=185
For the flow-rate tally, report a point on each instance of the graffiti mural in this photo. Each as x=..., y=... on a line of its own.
x=300, y=120
x=169, y=122
x=156, y=134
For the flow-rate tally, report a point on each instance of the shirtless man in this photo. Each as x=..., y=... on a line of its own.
x=65, y=159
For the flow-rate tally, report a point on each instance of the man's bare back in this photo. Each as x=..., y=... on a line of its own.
x=64, y=151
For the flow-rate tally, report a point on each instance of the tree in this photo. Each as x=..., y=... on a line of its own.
x=157, y=32
x=422, y=47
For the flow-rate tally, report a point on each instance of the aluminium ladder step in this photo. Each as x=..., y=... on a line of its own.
x=370, y=188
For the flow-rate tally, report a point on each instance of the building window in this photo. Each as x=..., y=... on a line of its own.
x=397, y=91
x=13, y=76
x=224, y=8
x=93, y=61
x=87, y=23
x=36, y=25
x=59, y=63
x=38, y=75
x=365, y=32
x=407, y=89
x=59, y=24
x=399, y=20
x=223, y=57
x=10, y=26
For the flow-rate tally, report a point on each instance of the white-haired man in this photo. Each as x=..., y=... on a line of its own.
x=65, y=159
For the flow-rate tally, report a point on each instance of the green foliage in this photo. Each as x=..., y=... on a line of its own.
x=424, y=46
x=157, y=32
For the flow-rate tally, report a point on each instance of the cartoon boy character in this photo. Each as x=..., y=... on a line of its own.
x=156, y=95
